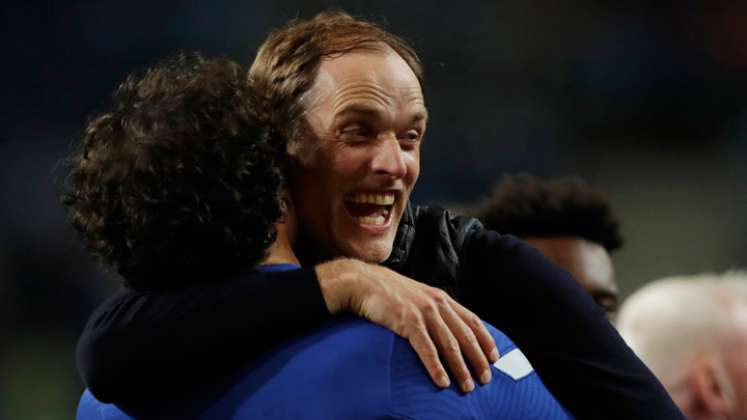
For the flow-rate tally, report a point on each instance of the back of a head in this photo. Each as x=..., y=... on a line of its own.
x=288, y=61
x=527, y=206
x=671, y=322
x=176, y=181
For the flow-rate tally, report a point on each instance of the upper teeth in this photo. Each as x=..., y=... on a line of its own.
x=380, y=199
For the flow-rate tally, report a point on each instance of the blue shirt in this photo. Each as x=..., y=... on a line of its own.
x=353, y=369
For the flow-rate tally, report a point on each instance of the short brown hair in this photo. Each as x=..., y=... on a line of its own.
x=288, y=61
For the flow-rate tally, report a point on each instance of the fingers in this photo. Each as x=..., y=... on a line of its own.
x=423, y=345
x=467, y=339
x=486, y=341
x=442, y=332
x=449, y=349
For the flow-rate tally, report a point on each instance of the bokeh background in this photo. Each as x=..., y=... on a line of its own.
x=645, y=100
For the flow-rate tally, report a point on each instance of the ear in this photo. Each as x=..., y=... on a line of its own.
x=287, y=224
x=708, y=388
x=287, y=200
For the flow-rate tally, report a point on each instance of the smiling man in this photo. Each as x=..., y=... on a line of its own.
x=348, y=101
x=353, y=171
x=343, y=369
x=344, y=99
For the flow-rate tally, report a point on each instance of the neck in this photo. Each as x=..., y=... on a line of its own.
x=280, y=252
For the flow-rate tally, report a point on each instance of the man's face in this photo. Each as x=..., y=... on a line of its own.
x=353, y=171
x=588, y=262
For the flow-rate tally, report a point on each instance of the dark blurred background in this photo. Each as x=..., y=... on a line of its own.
x=646, y=102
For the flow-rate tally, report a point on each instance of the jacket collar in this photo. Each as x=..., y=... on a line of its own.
x=403, y=239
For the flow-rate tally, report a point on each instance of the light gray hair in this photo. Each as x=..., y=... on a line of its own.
x=670, y=322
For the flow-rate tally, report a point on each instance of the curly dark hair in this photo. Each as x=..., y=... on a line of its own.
x=525, y=206
x=177, y=182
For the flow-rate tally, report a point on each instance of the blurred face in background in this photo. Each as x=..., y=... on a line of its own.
x=735, y=363
x=353, y=172
x=588, y=262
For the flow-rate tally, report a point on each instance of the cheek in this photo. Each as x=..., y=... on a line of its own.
x=306, y=187
x=413, y=168
x=298, y=181
x=348, y=164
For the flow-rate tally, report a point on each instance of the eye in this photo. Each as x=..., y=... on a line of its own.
x=609, y=304
x=413, y=135
x=410, y=139
x=355, y=132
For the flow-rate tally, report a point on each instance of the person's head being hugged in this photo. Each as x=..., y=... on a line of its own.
x=176, y=182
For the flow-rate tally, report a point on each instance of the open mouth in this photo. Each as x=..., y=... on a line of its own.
x=371, y=208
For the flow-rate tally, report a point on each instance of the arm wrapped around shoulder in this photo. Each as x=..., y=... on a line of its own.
x=565, y=335
x=141, y=347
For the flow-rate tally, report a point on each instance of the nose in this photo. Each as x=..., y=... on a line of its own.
x=388, y=158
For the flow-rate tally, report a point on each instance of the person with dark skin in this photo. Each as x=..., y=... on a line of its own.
x=224, y=183
x=569, y=222
x=344, y=99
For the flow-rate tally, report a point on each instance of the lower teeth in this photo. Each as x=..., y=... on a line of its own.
x=376, y=220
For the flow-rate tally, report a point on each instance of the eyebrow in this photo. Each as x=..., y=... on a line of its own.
x=375, y=112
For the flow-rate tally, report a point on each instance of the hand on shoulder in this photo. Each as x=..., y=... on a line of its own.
x=433, y=322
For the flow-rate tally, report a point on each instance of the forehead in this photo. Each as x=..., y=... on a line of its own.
x=588, y=262
x=376, y=75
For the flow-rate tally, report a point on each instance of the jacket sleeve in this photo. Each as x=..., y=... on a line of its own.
x=564, y=334
x=145, y=346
